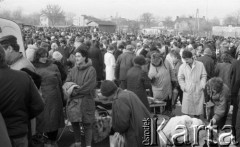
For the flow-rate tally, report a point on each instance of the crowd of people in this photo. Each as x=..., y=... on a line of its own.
x=73, y=63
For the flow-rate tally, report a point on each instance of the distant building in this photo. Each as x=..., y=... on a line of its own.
x=104, y=26
x=188, y=24
x=229, y=31
x=44, y=21
x=83, y=20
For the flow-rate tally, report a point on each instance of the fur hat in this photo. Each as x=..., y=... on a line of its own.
x=130, y=47
x=44, y=45
x=207, y=51
x=57, y=56
x=108, y=88
x=140, y=60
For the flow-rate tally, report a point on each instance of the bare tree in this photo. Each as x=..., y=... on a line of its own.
x=17, y=14
x=6, y=14
x=33, y=18
x=229, y=20
x=147, y=19
x=215, y=21
x=54, y=13
x=69, y=18
x=237, y=15
x=134, y=26
x=168, y=22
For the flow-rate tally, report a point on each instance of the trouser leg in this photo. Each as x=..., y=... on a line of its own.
x=77, y=132
x=235, y=100
x=19, y=142
x=88, y=133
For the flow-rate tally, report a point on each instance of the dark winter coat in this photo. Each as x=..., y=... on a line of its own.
x=117, y=53
x=235, y=77
x=4, y=138
x=124, y=63
x=138, y=82
x=128, y=113
x=61, y=70
x=64, y=50
x=85, y=77
x=51, y=119
x=222, y=103
x=222, y=70
x=208, y=63
x=95, y=55
x=19, y=101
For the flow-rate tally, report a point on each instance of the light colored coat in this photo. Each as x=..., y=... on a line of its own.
x=110, y=62
x=192, y=82
x=161, y=85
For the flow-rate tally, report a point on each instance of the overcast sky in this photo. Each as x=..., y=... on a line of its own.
x=131, y=9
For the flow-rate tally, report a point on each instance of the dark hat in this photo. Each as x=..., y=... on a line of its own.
x=108, y=88
x=130, y=47
x=140, y=60
x=186, y=54
x=44, y=45
x=9, y=39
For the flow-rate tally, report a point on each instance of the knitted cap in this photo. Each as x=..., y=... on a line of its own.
x=108, y=88
x=130, y=47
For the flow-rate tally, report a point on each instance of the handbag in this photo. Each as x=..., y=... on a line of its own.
x=102, y=124
x=117, y=140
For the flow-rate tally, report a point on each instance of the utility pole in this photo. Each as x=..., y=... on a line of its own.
x=197, y=21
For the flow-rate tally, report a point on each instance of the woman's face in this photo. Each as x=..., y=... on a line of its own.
x=43, y=59
x=79, y=58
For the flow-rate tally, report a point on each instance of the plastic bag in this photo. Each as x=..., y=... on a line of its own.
x=117, y=140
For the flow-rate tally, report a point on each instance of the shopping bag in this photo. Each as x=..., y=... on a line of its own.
x=102, y=124
x=117, y=140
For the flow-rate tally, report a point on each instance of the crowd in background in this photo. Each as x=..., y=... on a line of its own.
x=187, y=69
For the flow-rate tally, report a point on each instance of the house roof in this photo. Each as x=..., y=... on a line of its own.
x=90, y=18
x=102, y=22
x=188, y=19
x=98, y=21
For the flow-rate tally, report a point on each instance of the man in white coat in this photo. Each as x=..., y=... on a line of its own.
x=192, y=79
x=110, y=63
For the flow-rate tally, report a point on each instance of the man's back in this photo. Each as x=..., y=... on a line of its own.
x=208, y=63
x=19, y=101
x=235, y=78
x=124, y=63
